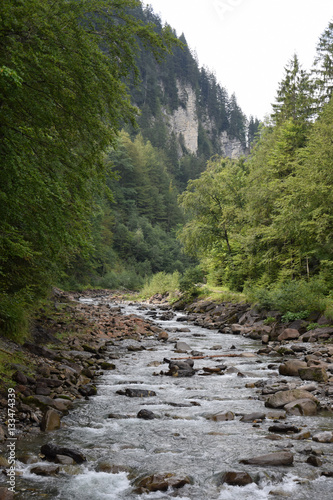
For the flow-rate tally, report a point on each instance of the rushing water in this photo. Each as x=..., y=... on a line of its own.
x=181, y=440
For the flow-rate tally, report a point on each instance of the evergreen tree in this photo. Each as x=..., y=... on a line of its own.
x=294, y=96
x=323, y=67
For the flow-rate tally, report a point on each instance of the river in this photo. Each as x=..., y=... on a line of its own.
x=182, y=439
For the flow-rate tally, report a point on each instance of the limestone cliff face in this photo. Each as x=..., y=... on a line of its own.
x=184, y=123
x=184, y=120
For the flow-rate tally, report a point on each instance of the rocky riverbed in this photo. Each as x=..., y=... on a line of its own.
x=296, y=391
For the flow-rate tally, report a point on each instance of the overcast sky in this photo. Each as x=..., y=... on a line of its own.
x=247, y=43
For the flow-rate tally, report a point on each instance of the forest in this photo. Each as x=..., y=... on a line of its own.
x=95, y=191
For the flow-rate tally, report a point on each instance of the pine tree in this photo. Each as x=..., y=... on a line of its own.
x=323, y=67
x=294, y=95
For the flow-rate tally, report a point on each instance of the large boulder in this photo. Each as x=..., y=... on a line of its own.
x=288, y=334
x=290, y=368
x=51, y=450
x=281, y=398
x=50, y=421
x=303, y=407
x=160, y=482
x=237, y=478
x=316, y=373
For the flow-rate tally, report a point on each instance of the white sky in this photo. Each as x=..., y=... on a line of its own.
x=247, y=43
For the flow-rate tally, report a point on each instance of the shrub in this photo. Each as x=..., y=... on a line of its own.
x=161, y=283
x=293, y=297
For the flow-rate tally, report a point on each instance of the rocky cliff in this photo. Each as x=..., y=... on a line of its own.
x=184, y=123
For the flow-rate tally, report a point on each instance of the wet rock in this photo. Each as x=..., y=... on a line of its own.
x=137, y=393
x=146, y=415
x=160, y=482
x=291, y=367
x=182, y=347
x=283, y=429
x=323, y=437
x=179, y=368
x=281, y=398
x=50, y=421
x=110, y=468
x=88, y=390
x=237, y=478
x=315, y=461
x=163, y=336
x=27, y=458
x=6, y=494
x=52, y=450
x=39, y=350
x=221, y=417
x=64, y=460
x=316, y=373
x=105, y=365
x=45, y=470
x=253, y=417
x=288, y=334
x=271, y=459
x=304, y=407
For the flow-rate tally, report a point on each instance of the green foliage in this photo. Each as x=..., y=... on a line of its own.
x=293, y=316
x=269, y=320
x=161, y=283
x=63, y=99
x=295, y=298
x=190, y=280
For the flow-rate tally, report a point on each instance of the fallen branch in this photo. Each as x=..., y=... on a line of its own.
x=210, y=356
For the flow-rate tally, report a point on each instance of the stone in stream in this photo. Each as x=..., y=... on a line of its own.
x=160, y=482
x=221, y=417
x=323, y=437
x=182, y=347
x=50, y=421
x=315, y=461
x=137, y=393
x=252, y=417
x=45, y=470
x=236, y=478
x=181, y=368
x=146, y=415
x=51, y=450
x=281, y=398
x=283, y=428
x=303, y=407
x=271, y=459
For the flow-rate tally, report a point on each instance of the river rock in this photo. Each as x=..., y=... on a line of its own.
x=88, y=390
x=323, y=437
x=50, y=421
x=6, y=494
x=304, y=407
x=278, y=458
x=221, y=417
x=315, y=461
x=283, y=428
x=179, y=368
x=146, y=415
x=288, y=334
x=182, y=347
x=252, y=417
x=316, y=373
x=138, y=393
x=160, y=482
x=64, y=460
x=45, y=470
x=237, y=478
x=291, y=367
x=281, y=398
x=51, y=450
